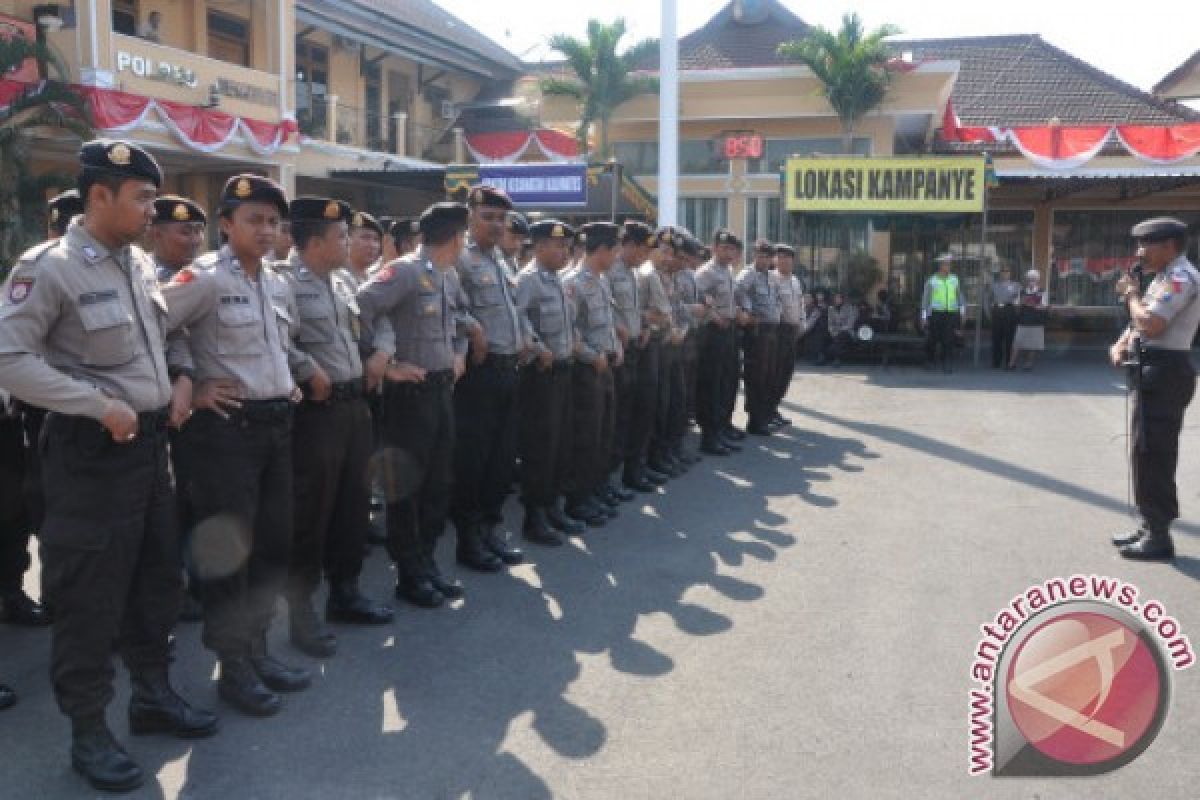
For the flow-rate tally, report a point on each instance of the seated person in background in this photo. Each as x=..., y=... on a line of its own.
x=880, y=318
x=816, y=326
x=843, y=317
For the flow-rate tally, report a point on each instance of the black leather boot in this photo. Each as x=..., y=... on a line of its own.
x=537, y=528
x=305, y=630
x=471, y=552
x=8, y=698
x=274, y=673
x=18, y=608
x=450, y=588
x=96, y=756
x=498, y=546
x=348, y=604
x=561, y=522
x=241, y=687
x=414, y=585
x=154, y=707
x=1156, y=545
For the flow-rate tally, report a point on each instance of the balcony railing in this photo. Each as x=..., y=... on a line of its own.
x=370, y=130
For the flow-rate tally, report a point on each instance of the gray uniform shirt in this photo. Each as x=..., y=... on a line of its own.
x=681, y=316
x=715, y=287
x=758, y=296
x=80, y=324
x=425, y=325
x=626, y=298
x=327, y=327
x=1174, y=295
x=592, y=305
x=842, y=320
x=542, y=301
x=1004, y=293
x=653, y=294
x=237, y=328
x=791, y=298
x=689, y=295
x=486, y=283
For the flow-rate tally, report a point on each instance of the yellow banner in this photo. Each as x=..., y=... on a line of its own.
x=898, y=185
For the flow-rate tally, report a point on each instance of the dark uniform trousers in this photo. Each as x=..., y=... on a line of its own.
x=332, y=447
x=1004, y=328
x=592, y=423
x=241, y=488
x=785, y=363
x=670, y=386
x=485, y=451
x=760, y=372
x=544, y=432
x=940, y=330
x=415, y=467
x=717, y=378
x=644, y=412
x=1165, y=389
x=111, y=555
x=691, y=361
x=735, y=361
x=625, y=394
x=15, y=525
x=680, y=400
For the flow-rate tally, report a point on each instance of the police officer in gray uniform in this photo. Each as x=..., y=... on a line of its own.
x=1158, y=342
x=627, y=317
x=1003, y=296
x=758, y=297
x=176, y=235
x=82, y=333
x=791, y=325
x=485, y=401
x=410, y=315
x=637, y=243
x=332, y=430
x=718, y=345
x=238, y=313
x=61, y=209
x=598, y=352
x=545, y=423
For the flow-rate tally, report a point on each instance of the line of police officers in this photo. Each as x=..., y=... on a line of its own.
x=219, y=420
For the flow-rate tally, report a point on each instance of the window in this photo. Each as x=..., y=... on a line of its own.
x=125, y=17
x=763, y=221
x=229, y=38
x=700, y=157
x=312, y=86
x=703, y=215
x=373, y=78
x=778, y=151
x=1092, y=248
x=638, y=158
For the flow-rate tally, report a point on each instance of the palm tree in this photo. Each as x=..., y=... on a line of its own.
x=603, y=79
x=851, y=65
x=36, y=107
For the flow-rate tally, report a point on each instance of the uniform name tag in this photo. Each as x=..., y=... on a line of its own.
x=307, y=296
x=91, y=298
x=235, y=300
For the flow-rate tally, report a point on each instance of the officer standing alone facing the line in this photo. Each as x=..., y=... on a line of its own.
x=942, y=311
x=1162, y=326
x=82, y=334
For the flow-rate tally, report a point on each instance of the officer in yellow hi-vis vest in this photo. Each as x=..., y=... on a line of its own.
x=942, y=309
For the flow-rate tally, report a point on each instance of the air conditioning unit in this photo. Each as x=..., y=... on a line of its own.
x=448, y=110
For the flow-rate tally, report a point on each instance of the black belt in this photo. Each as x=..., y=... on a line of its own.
x=148, y=422
x=274, y=410
x=433, y=380
x=501, y=361
x=346, y=390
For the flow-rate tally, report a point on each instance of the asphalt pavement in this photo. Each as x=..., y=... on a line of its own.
x=795, y=621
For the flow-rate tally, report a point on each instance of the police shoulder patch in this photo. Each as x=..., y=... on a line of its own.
x=385, y=273
x=184, y=275
x=19, y=290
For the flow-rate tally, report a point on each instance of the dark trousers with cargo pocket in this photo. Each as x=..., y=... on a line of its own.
x=110, y=546
x=485, y=456
x=544, y=432
x=1164, y=391
x=241, y=487
x=592, y=427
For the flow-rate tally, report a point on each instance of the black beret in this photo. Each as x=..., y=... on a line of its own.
x=1159, y=229
x=550, y=229
x=249, y=188
x=601, y=234
x=440, y=216
x=319, y=209
x=171, y=208
x=63, y=207
x=119, y=158
x=671, y=236
x=691, y=245
x=785, y=249
x=763, y=246
x=361, y=219
x=637, y=232
x=484, y=195
x=404, y=228
x=726, y=236
x=516, y=223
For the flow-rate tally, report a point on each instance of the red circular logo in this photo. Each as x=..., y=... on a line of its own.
x=1085, y=688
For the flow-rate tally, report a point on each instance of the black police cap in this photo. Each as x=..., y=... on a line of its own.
x=551, y=229
x=601, y=234
x=172, y=208
x=763, y=246
x=671, y=236
x=249, y=188
x=637, y=232
x=62, y=207
x=319, y=209
x=442, y=216
x=117, y=157
x=484, y=195
x=361, y=219
x=1159, y=229
x=692, y=246
x=726, y=236
x=785, y=250
x=516, y=223
x=404, y=228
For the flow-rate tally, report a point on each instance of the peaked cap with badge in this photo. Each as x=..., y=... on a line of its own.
x=551, y=229
x=319, y=209
x=247, y=188
x=361, y=219
x=115, y=157
x=172, y=208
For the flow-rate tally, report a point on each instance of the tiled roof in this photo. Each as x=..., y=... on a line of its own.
x=1025, y=80
x=729, y=42
x=1178, y=74
x=430, y=18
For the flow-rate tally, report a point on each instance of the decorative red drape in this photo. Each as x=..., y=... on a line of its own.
x=506, y=147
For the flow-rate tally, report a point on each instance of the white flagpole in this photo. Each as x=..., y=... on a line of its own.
x=668, y=118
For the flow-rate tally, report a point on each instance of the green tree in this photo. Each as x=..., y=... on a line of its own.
x=852, y=66
x=37, y=109
x=603, y=78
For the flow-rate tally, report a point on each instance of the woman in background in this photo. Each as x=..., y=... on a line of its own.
x=1030, y=337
